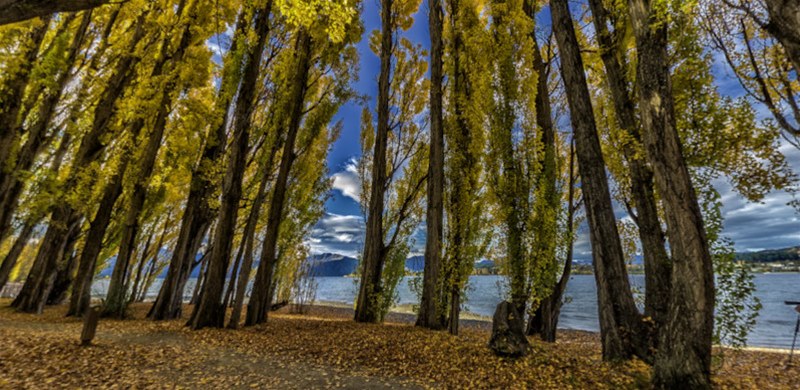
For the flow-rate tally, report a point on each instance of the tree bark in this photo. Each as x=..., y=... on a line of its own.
x=209, y=311
x=430, y=315
x=658, y=268
x=784, y=25
x=261, y=299
x=198, y=213
x=20, y=10
x=620, y=321
x=249, y=239
x=684, y=356
x=10, y=261
x=64, y=276
x=373, y=258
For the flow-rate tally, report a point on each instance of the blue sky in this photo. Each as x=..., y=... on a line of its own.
x=752, y=226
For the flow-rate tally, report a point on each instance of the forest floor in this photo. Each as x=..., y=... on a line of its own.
x=323, y=349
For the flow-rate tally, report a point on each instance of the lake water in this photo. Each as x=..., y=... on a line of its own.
x=774, y=327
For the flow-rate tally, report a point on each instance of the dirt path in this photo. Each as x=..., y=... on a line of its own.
x=140, y=354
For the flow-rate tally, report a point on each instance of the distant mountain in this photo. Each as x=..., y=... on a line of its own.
x=330, y=264
x=770, y=255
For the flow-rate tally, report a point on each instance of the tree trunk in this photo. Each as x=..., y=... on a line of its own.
x=209, y=311
x=137, y=278
x=249, y=239
x=658, y=268
x=36, y=289
x=430, y=315
x=620, y=321
x=64, y=276
x=368, y=302
x=261, y=300
x=684, y=356
x=19, y=10
x=93, y=243
x=10, y=261
x=784, y=25
x=199, y=213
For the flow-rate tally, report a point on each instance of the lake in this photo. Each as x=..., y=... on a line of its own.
x=774, y=327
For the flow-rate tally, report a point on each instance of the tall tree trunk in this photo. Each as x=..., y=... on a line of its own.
x=20, y=10
x=93, y=243
x=658, y=268
x=249, y=239
x=620, y=322
x=261, y=299
x=199, y=212
x=21, y=241
x=209, y=311
x=683, y=359
x=430, y=314
x=64, y=276
x=116, y=300
x=137, y=277
x=368, y=302
x=784, y=25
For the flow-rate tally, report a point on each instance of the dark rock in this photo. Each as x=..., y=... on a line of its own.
x=508, y=331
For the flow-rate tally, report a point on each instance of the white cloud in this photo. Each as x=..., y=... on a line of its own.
x=341, y=234
x=347, y=181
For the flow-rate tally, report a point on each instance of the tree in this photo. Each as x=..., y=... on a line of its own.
x=201, y=209
x=620, y=321
x=169, y=65
x=209, y=310
x=65, y=217
x=684, y=356
x=395, y=15
x=330, y=40
x=430, y=312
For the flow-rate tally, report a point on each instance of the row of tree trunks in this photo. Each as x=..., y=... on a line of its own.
x=117, y=299
x=620, y=322
x=430, y=315
x=261, y=299
x=683, y=359
x=209, y=311
x=93, y=243
x=65, y=220
x=249, y=241
x=367, y=304
x=658, y=268
x=198, y=213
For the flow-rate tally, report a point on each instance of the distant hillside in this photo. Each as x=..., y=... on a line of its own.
x=330, y=264
x=771, y=255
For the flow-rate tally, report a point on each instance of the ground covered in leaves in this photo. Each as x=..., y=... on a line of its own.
x=322, y=349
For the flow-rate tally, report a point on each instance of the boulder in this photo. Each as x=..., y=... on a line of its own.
x=508, y=331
